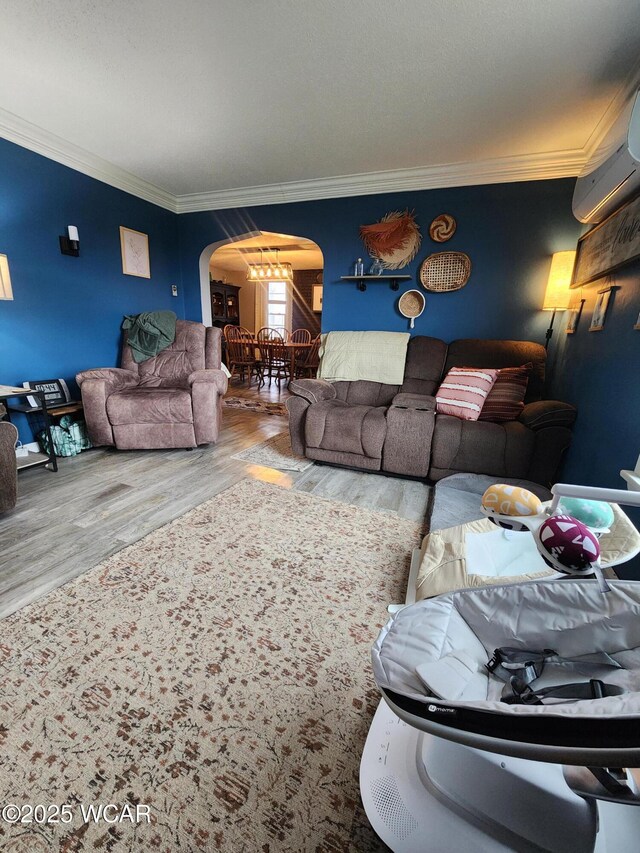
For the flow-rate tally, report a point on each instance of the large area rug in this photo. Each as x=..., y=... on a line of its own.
x=260, y=407
x=217, y=671
x=275, y=452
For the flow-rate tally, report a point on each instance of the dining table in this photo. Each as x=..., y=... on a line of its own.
x=292, y=348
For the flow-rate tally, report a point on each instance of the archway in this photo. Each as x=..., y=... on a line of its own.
x=223, y=270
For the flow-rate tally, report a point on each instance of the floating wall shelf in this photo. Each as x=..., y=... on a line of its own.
x=362, y=280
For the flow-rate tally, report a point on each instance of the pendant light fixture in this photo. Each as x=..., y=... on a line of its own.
x=270, y=271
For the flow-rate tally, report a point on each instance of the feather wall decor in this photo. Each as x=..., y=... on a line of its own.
x=394, y=240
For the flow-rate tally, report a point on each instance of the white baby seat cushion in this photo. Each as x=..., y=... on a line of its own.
x=444, y=566
x=431, y=658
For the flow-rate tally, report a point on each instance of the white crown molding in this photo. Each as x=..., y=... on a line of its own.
x=55, y=148
x=626, y=90
x=528, y=167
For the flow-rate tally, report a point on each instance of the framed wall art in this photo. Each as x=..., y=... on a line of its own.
x=317, y=298
x=637, y=324
x=609, y=246
x=575, y=310
x=600, y=311
x=134, y=246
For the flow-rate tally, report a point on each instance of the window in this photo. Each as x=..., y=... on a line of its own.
x=277, y=305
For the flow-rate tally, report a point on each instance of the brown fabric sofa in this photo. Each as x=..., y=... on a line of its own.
x=395, y=429
x=8, y=467
x=171, y=400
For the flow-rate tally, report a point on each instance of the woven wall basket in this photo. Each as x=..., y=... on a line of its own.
x=411, y=305
x=444, y=271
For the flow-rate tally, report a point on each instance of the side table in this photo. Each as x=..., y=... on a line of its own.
x=31, y=460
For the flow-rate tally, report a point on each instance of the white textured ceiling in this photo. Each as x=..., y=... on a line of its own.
x=197, y=96
x=301, y=253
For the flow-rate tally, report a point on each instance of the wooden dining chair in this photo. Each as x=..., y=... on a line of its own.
x=274, y=356
x=299, y=354
x=308, y=364
x=241, y=353
x=300, y=336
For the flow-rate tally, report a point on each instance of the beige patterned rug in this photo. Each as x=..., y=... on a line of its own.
x=216, y=672
x=275, y=452
x=260, y=407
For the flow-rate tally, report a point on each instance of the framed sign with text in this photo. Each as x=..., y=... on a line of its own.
x=55, y=391
x=609, y=246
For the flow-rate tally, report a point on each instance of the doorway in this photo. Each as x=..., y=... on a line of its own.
x=230, y=295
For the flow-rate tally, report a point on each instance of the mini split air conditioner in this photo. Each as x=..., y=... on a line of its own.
x=612, y=174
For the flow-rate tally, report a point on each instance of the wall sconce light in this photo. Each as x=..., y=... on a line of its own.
x=70, y=245
x=5, y=279
x=557, y=295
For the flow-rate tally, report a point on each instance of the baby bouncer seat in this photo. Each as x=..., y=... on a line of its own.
x=510, y=721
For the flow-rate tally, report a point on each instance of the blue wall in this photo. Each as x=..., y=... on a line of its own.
x=66, y=312
x=600, y=373
x=508, y=230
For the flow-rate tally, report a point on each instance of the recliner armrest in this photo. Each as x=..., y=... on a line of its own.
x=211, y=376
x=313, y=390
x=115, y=378
x=548, y=413
x=420, y=402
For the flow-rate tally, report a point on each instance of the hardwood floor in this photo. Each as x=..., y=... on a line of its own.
x=102, y=500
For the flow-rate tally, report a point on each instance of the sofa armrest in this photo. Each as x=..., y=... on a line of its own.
x=96, y=387
x=313, y=390
x=420, y=402
x=548, y=413
x=410, y=420
x=211, y=376
x=8, y=467
x=114, y=377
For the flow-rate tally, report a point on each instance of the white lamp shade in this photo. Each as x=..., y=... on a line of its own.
x=557, y=296
x=5, y=279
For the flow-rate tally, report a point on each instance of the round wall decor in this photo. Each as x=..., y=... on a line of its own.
x=444, y=271
x=411, y=305
x=442, y=228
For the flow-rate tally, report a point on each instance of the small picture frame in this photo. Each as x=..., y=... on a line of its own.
x=317, y=298
x=134, y=246
x=600, y=310
x=637, y=323
x=575, y=311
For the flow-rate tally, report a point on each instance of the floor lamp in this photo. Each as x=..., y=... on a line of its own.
x=557, y=294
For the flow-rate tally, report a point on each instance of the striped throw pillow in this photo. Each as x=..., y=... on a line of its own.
x=506, y=399
x=463, y=392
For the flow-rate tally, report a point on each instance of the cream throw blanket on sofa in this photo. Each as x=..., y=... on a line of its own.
x=373, y=356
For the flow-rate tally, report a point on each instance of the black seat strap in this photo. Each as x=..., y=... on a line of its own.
x=519, y=668
x=523, y=694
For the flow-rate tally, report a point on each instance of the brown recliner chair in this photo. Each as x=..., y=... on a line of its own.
x=8, y=467
x=171, y=400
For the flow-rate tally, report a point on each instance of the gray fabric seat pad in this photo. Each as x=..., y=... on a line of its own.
x=572, y=617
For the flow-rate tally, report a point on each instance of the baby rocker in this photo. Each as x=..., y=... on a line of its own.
x=511, y=713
